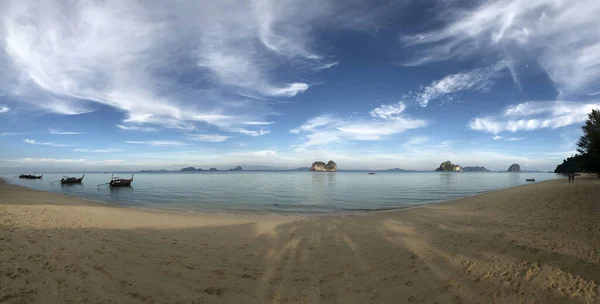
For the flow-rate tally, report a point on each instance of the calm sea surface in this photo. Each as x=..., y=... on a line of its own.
x=283, y=192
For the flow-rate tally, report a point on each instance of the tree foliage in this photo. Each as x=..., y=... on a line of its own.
x=588, y=146
x=572, y=164
x=589, y=143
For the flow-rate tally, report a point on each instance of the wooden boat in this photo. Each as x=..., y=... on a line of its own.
x=71, y=180
x=371, y=173
x=530, y=180
x=120, y=182
x=30, y=176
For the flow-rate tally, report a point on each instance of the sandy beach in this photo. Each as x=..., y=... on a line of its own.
x=538, y=243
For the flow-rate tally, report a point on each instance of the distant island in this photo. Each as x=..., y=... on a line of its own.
x=148, y=171
x=238, y=168
x=331, y=166
x=514, y=168
x=475, y=169
x=191, y=169
x=448, y=166
x=396, y=170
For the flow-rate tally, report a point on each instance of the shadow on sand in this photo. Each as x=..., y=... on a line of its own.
x=441, y=254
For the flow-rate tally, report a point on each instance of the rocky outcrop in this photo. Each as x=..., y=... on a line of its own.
x=447, y=166
x=238, y=168
x=514, y=168
x=475, y=169
x=331, y=166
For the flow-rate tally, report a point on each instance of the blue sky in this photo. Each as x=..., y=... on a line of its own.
x=128, y=85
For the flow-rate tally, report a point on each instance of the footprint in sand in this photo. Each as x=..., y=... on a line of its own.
x=214, y=291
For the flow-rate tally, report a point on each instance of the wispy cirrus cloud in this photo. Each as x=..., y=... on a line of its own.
x=481, y=79
x=258, y=123
x=207, y=137
x=72, y=60
x=137, y=128
x=107, y=150
x=498, y=137
x=41, y=143
x=535, y=115
x=57, y=132
x=157, y=143
x=562, y=36
x=4, y=109
x=10, y=134
x=386, y=120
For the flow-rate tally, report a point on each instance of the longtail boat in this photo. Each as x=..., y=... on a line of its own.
x=30, y=176
x=71, y=180
x=120, y=182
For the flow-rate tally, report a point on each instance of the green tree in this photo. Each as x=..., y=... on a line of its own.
x=589, y=143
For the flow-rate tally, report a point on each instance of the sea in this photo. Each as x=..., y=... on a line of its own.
x=301, y=193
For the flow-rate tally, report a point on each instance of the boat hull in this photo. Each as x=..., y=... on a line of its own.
x=120, y=184
x=69, y=181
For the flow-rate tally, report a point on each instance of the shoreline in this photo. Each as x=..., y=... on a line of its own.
x=264, y=213
x=539, y=242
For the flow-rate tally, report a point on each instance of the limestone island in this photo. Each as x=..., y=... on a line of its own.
x=447, y=166
x=322, y=167
x=514, y=168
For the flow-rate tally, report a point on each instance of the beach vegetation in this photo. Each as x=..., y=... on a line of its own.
x=588, y=146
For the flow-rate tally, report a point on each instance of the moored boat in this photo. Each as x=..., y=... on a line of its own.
x=30, y=176
x=71, y=180
x=530, y=180
x=120, y=182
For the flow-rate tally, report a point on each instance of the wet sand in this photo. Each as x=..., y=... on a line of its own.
x=538, y=243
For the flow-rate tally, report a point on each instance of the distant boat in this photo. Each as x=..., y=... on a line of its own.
x=371, y=173
x=30, y=176
x=71, y=180
x=120, y=182
x=530, y=180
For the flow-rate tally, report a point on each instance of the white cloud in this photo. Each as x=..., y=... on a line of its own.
x=475, y=80
x=57, y=132
x=562, y=36
x=387, y=111
x=258, y=123
x=265, y=153
x=498, y=137
x=157, y=143
x=386, y=121
x=4, y=109
x=290, y=90
x=10, y=134
x=314, y=123
x=207, y=137
x=530, y=116
x=108, y=150
x=252, y=133
x=415, y=141
x=35, y=142
x=136, y=128
x=74, y=59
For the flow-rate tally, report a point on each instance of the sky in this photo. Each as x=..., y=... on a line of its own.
x=131, y=85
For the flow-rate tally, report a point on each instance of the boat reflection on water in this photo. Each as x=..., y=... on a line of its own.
x=122, y=193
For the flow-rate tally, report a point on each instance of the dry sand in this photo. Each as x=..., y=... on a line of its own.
x=538, y=243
